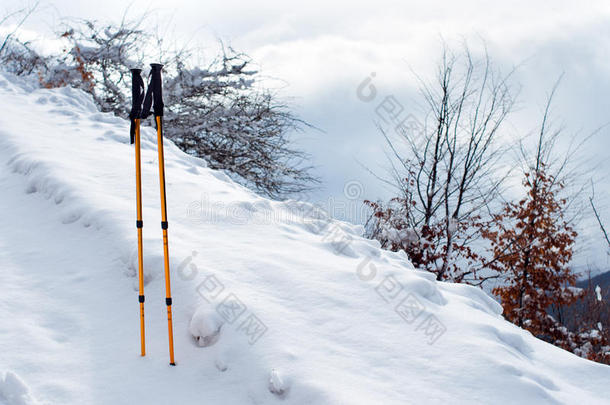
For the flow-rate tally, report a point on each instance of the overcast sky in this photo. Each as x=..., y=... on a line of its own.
x=322, y=51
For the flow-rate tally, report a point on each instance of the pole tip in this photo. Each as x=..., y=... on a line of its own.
x=172, y=364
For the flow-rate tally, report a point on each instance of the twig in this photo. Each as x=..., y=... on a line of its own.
x=599, y=221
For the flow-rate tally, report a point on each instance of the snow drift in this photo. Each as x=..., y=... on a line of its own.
x=273, y=301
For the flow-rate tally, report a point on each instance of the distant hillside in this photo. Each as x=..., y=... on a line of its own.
x=574, y=314
x=602, y=280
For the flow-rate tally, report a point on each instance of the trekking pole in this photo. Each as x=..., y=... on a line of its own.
x=154, y=96
x=137, y=94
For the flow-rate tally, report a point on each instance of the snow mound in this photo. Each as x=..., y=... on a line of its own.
x=13, y=390
x=205, y=326
x=274, y=302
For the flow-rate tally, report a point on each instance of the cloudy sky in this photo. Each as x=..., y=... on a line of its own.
x=322, y=50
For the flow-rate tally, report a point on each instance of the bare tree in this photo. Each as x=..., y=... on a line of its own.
x=449, y=174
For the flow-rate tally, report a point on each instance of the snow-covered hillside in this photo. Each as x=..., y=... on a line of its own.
x=289, y=307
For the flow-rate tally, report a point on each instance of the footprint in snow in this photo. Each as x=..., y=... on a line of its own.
x=66, y=113
x=276, y=384
x=221, y=365
x=121, y=138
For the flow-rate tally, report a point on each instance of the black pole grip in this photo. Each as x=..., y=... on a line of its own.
x=137, y=97
x=157, y=88
x=154, y=96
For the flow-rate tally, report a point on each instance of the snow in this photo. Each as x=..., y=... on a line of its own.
x=273, y=301
x=13, y=391
x=598, y=293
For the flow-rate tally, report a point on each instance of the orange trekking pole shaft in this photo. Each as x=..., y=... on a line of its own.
x=154, y=96
x=139, y=225
x=137, y=98
x=164, y=226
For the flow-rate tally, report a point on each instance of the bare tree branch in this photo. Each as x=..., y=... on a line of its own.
x=597, y=217
x=25, y=13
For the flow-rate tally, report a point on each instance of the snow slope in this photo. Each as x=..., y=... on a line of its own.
x=321, y=315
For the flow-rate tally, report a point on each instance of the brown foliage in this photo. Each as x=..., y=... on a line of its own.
x=532, y=247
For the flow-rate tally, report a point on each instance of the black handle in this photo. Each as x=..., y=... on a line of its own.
x=137, y=97
x=154, y=94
